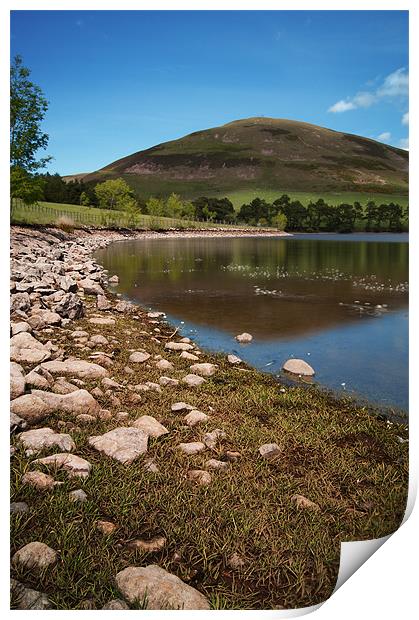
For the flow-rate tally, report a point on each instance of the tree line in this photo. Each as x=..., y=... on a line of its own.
x=320, y=216
x=283, y=213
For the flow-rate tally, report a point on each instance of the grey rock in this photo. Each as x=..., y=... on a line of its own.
x=70, y=307
x=62, y=386
x=160, y=589
x=204, y=370
x=74, y=465
x=98, y=339
x=103, y=303
x=192, y=447
x=201, y=477
x=298, y=367
x=181, y=407
x=21, y=326
x=20, y=302
x=39, y=378
x=76, y=368
x=19, y=507
x=194, y=417
x=39, y=480
x=25, y=349
x=31, y=408
x=270, y=450
x=305, y=504
x=17, y=423
x=102, y=321
x=168, y=381
x=138, y=357
x=211, y=439
x=193, y=380
x=178, y=346
x=165, y=365
x=35, y=555
x=150, y=426
x=123, y=444
x=244, y=338
x=215, y=464
x=78, y=496
x=233, y=359
x=40, y=438
x=17, y=380
x=26, y=598
x=189, y=356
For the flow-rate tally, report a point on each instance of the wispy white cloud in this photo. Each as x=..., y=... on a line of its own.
x=396, y=84
x=385, y=136
x=342, y=106
x=405, y=118
x=404, y=144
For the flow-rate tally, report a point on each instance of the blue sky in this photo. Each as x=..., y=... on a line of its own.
x=122, y=81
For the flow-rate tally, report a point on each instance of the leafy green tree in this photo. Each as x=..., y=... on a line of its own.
x=115, y=194
x=84, y=199
x=155, y=207
x=28, y=107
x=371, y=216
x=279, y=221
x=220, y=208
x=179, y=208
x=345, y=218
x=24, y=187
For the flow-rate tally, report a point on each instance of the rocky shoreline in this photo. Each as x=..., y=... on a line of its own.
x=100, y=389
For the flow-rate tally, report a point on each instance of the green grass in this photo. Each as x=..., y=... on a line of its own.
x=240, y=197
x=339, y=455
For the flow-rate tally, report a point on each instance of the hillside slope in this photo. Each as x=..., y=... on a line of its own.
x=263, y=153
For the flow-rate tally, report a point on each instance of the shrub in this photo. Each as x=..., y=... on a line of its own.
x=65, y=223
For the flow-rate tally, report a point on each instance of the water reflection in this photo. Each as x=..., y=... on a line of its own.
x=341, y=304
x=270, y=287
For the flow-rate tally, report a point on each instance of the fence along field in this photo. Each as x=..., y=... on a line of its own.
x=50, y=213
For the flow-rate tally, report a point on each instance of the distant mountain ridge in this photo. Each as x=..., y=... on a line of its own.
x=268, y=153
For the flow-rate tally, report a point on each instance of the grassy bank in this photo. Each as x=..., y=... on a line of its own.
x=50, y=213
x=348, y=461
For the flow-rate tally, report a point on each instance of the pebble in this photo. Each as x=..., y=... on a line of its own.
x=215, y=464
x=200, y=476
x=150, y=546
x=304, y=503
x=193, y=380
x=194, y=417
x=193, y=447
x=78, y=496
x=181, y=406
x=19, y=507
x=270, y=450
x=204, y=370
x=210, y=439
x=244, y=338
x=106, y=527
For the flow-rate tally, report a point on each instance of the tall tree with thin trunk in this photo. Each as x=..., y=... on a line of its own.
x=28, y=107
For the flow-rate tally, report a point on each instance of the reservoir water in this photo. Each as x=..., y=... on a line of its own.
x=340, y=302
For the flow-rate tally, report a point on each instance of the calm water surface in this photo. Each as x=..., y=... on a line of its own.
x=338, y=301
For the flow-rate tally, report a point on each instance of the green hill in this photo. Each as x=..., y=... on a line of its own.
x=257, y=155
